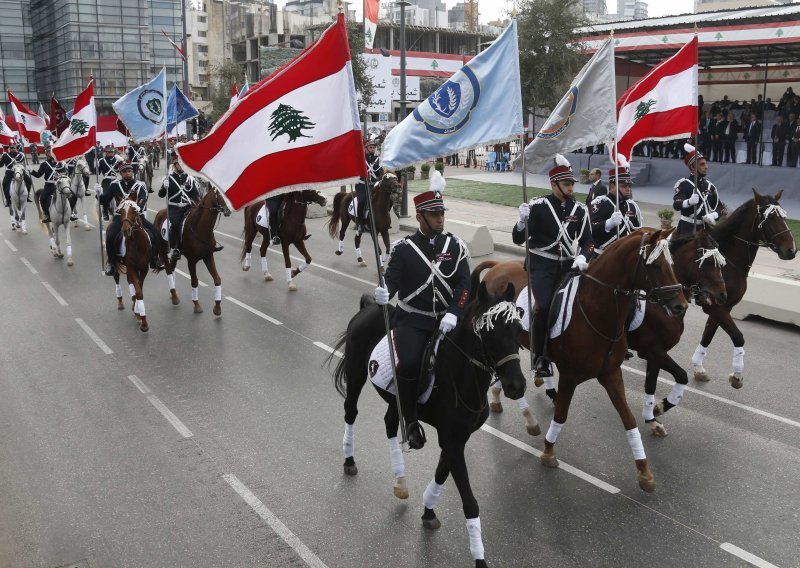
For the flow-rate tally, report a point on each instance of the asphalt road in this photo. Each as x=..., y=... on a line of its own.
x=216, y=441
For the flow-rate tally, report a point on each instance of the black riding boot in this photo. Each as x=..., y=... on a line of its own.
x=542, y=365
x=408, y=402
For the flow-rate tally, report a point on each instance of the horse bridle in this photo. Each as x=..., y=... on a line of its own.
x=135, y=224
x=765, y=241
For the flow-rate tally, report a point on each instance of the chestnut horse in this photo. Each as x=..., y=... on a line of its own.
x=759, y=222
x=385, y=196
x=292, y=231
x=197, y=243
x=135, y=262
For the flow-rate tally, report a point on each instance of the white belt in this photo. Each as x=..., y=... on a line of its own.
x=406, y=308
x=550, y=255
x=692, y=220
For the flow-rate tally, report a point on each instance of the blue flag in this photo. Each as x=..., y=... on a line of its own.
x=480, y=104
x=179, y=108
x=144, y=109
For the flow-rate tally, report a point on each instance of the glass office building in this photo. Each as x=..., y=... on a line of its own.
x=16, y=51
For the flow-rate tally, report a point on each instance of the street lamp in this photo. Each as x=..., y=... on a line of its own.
x=403, y=110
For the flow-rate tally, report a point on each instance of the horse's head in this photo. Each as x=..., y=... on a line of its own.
x=770, y=221
x=64, y=185
x=653, y=272
x=699, y=263
x=82, y=167
x=129, y=215
x=18, y=171
x=390, y=186
x=313, y=196
x=214, y=200
x=497, y=323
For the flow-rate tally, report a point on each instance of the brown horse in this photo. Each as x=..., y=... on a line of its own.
x=292, y=231
x=197, y=243
x=760, y=222
x=136, y=260
x=385, y=196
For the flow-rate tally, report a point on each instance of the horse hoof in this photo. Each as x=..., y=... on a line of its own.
x=400, y=489
x=481, y=563
x=350, y=469
x=75, y=225
x=549, y=460
x=292, y=287
x=647, y=485
x=120, y=306
x=736, y=382
x=496, y=407
x=268, y=277
x=217, y=310
x=245, y=268
x=432, y=524
x=533, y=429
x=144, y=327
x=339, y=253
x=175, y=300
x=198, y=309
x=13, y=227
x=70, y=262
x=657, y=429
x=89, y=227
x=701, y=377
x=24, y=231
x=361, y=263
x=537, y=381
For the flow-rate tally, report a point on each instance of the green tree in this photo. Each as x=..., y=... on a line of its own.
x=224, y=75
x=548, y=57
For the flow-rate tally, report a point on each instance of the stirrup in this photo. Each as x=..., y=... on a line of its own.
x=176, y=254
x=110, y=270
x=416, y=435
x=542, y=367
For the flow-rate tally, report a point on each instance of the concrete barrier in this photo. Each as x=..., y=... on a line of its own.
x=770, y=297
x=478, y=238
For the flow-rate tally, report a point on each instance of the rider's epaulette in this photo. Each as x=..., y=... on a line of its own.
x=537, y=200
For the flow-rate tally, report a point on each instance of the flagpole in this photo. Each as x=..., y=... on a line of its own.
x=616, y=178
x=527, y=255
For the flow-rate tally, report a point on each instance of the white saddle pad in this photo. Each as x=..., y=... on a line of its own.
x=262, y=218
x=122, y=248
x=638, y=316
x=380, y=371
x=522, y=303
x=165, y=228
x=562, y=321
x=353, y=207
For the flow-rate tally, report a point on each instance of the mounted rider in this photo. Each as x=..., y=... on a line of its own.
x=182, y=192
x=8, y=160
x=108, y=168
x=560, y=238
x=50, y=169
x=121, y=189
x=699, y=206
x=429, y=271
x=608, y=222
x=374, y=175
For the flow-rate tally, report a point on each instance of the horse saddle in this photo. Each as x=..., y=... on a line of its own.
x=352, y=209
x=561, y=306
x=522, y=305
x=177, y=231
x=380, y=369
x=636, y=314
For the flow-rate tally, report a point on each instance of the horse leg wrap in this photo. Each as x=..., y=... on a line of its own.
x=699, y=355
x=348, y=441
x=523, y=403
x=139, y=309
x=288, y=275
x=649, y=404
x=549, y=383
x=195, y=295
x=264, y=264
x=635, y=442
x=131, y=289
x=340, y=247
x=171, y=281
x=358, y=253
x=396, y=455
x=431, y=495
x=69, y=250
x=384, y=258
x=475, y=540
x=676, y=394
x=247, y=256
x=118, y=290
x=738, y=360
x=217, y=293
x=553, y=431
x=302, y=267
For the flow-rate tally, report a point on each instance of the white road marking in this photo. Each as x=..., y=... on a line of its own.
x=274, y=522
x=746, y=556
x=188, y=277
x=563, y=466
x=253, y=310
x=12, y=247
x=176, y=423
x=96, y=338
x=55, y=294
x=764, y=413
x=27, y=263
x=329, y=349
x=139, y=384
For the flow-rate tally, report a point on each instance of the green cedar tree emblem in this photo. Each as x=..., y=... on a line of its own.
x=665, y=39
x=718, y=36
x=289, y=121
x=78, y=126
x=154, y=106
x=779, y=33
x=642, y=109
x=368, y=35
x=434, y=64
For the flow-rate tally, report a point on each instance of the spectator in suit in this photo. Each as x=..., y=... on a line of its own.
x=718, y=137
x=780, y=132
x=729, y=141
x=596, y=186
x=706, y=123
x=791, y=133
x=770, y=105
x=752, y=136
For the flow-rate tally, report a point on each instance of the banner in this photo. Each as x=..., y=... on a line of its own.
x=144, y=109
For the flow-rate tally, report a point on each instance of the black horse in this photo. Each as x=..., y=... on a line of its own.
x=482, y=345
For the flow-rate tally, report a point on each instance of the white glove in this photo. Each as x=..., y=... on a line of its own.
x=693, y=200
x=524, y=212
x=381, y=296
x=448, y=323
x=614, y=220
x=580, y=263
x=97, y=188
x=711, y=218
x=165, y=183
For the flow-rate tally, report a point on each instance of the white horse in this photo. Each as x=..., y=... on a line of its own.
x=60, y=212
x=78, y=188
x=19, y=199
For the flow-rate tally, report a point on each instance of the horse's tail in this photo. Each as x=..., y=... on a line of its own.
x=333, y=223
x=475, y=278
x=340, y=372
x=249, y=226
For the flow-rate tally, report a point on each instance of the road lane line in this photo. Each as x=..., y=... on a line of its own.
x=96, y=338
x=746, y=556
x=12, y=247
x=188, y=277
x=561, y=465
x=139, y=384
x=764, y=413
x=28, y=264
x=253, y=310
x=55, y=294
x=167, y=413
x=329, y=349
x=274, y=522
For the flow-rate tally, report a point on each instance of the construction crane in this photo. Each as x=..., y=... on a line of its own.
x=471, y=15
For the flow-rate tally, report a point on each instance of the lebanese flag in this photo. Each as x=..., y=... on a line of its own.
x=29, y=124
x=371, y=10
x=234, y=95
x=297, y=129
x=662, y=105
x=6, y=134
x=81, y=135
x=58, y=116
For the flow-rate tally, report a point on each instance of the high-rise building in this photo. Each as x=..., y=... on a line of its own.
x=632, y=9
x=16, y=50
x=594, y=8
x=715, y=5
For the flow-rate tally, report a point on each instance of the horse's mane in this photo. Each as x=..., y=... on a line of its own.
x=728, y=226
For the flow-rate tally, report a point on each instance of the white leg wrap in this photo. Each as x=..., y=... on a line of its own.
x=288, y=275
x=676, y=394
x=635, y=442
x=69, y=250
x=553, y=431
x=171, y=281
x=384, y=258
x=431, y=495
x=264, y=264
x=340, y=247
x=738, y=360
x=348, y=441
x=699, y=355
x=139, y=307
x=247, y=257
x=549, y=382
x=195, y=295
x=118, y=290
x=217, y=293
x=302, y=267
x=358, y=253
x=396, y=455
x=131, y=289
x=649, y=404
x=523, y=403
x=475, y=540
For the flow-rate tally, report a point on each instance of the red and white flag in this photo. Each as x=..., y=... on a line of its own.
x=58, y=116
x=297, y=129
x=177, y=47
x=29, y=124
x=6, y=134
x=81, y=135
x=234, y=95
x=371, y=10
x=662, y=105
